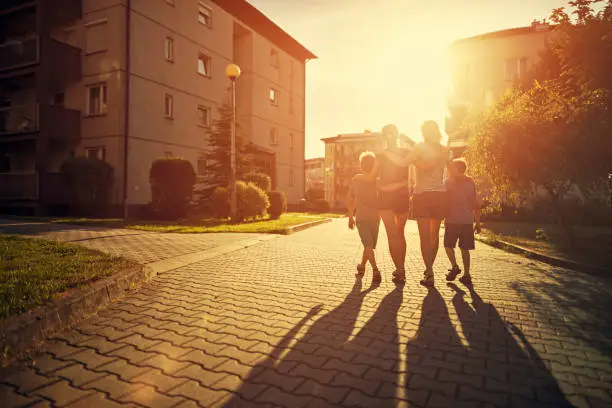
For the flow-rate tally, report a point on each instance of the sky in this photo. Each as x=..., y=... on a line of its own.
x=385, y=61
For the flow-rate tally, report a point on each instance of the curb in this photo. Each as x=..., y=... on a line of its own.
x=306, y=225
x=20, y=334
x=550, y=260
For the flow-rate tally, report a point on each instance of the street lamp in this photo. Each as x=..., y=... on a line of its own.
x=232, y=71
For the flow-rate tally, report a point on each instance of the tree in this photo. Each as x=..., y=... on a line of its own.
x=543, y=137
x=89, y=182
x=217, y=154
x=172, y=180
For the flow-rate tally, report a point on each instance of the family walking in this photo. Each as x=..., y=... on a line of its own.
x=442, y=192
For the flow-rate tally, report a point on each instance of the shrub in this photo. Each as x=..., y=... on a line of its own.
x=251, y=201
x=172, y=180
x=278, y=203
x=321, y=206
x=261, y=180
x=88, y=182
x=313, y=194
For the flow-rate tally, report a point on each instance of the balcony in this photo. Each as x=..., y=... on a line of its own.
x=56, y=12
x=19, y=53
x=18, y=186
x=62, y=62
x=27, y=121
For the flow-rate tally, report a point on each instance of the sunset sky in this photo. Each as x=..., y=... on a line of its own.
x=384, y=61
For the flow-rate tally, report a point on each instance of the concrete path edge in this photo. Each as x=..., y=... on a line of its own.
x=550, y=260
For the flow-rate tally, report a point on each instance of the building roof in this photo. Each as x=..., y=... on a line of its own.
x=357, y=137
x=535, y=27
x=259, y=22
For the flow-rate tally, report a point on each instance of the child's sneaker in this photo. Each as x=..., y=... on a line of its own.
x=452, y=273
x=376, y=278
x=428, y=280
x=466, y=280
x=360, y=269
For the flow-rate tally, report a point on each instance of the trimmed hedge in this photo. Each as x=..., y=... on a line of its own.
x=278, y=204
x=261, y=180
x=251, y=202
x=88, y=182
x=321, y=206
x=172, y=180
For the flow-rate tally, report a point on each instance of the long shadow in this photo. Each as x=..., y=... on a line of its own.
x=580, y=305
x=323, y=364
x=514, y=374
x=434, y=357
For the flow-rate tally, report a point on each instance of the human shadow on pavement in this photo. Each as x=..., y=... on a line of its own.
x=324, y=364
x=434, y=357
x=514, y=374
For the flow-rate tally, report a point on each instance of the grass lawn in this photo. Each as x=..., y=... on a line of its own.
x=33, y=271
x=197, y=225
x=207, y=225
x=593, y=244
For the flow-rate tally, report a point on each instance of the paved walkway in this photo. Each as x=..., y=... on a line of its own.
x=285, y=323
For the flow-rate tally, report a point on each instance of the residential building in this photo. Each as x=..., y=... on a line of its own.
x=486, y=66
x=132, y=81
x=342, y=161
x=315, y=173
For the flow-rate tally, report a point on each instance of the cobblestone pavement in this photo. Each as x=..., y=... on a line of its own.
x=285, y=323
x=141, y=246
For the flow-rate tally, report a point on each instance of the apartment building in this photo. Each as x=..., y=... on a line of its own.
x=485, y=67
x=131, y=81
x=342, y=161
x=315, y=173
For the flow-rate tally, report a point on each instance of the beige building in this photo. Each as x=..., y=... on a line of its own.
x=342, y=161
x=484, y=67
x=315, y=173
x=132, y=81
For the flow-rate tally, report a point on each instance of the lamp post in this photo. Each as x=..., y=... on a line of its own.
x=232, y=71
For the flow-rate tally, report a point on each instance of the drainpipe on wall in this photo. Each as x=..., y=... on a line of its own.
x=304, y=131
x=126, y=110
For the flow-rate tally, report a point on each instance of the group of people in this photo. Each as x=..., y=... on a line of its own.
x=442, y=191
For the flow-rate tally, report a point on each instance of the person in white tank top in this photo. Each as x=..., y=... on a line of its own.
x=430, y=202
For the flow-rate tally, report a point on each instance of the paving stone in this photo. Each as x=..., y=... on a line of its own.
x=195, y=391
x=197, y=373
x=96, y=400
x=332, y=394
x=149, y=397
x=113, y=386
x=163, y=363
x=11, y=398
x=77, y=374
x=61, y=393
x=156, y=378
x=26, y=380
x=123, y=369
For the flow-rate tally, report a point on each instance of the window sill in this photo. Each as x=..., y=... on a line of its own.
x=209, y=26
x=169, y=117
x=95, y=115
x=203, y=126
x=90, y=53
x=204, y=75
x=171, y=60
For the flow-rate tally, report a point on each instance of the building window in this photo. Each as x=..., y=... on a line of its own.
x=291, y=178
x=273, y=96
x=204, y=65
x=291, y=104
x=274, y=136
x=59, y=99
x=168, y=106
x=291, y=140
x=169, y=49
x=515, y=68
x=170, y=2
x=205, y=14
x=274, y=61
x=96, y=100
x=96, y=36
x=203, y=116
x=98, y=152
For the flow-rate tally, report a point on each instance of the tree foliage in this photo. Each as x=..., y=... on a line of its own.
x=555, y=129
x=88, y=182
x=172, y=180
x=218, y=150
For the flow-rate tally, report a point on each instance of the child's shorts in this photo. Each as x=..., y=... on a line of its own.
x=464, y=233
x=368, y=232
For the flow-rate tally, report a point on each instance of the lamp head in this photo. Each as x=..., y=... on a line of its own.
x=232, y=71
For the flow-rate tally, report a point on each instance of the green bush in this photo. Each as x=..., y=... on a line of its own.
x=313, y=194
x=251, y=201
x=278, y=203
x=172, y=180
x=88, y=183
x=261, y=180
x=321, y=206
